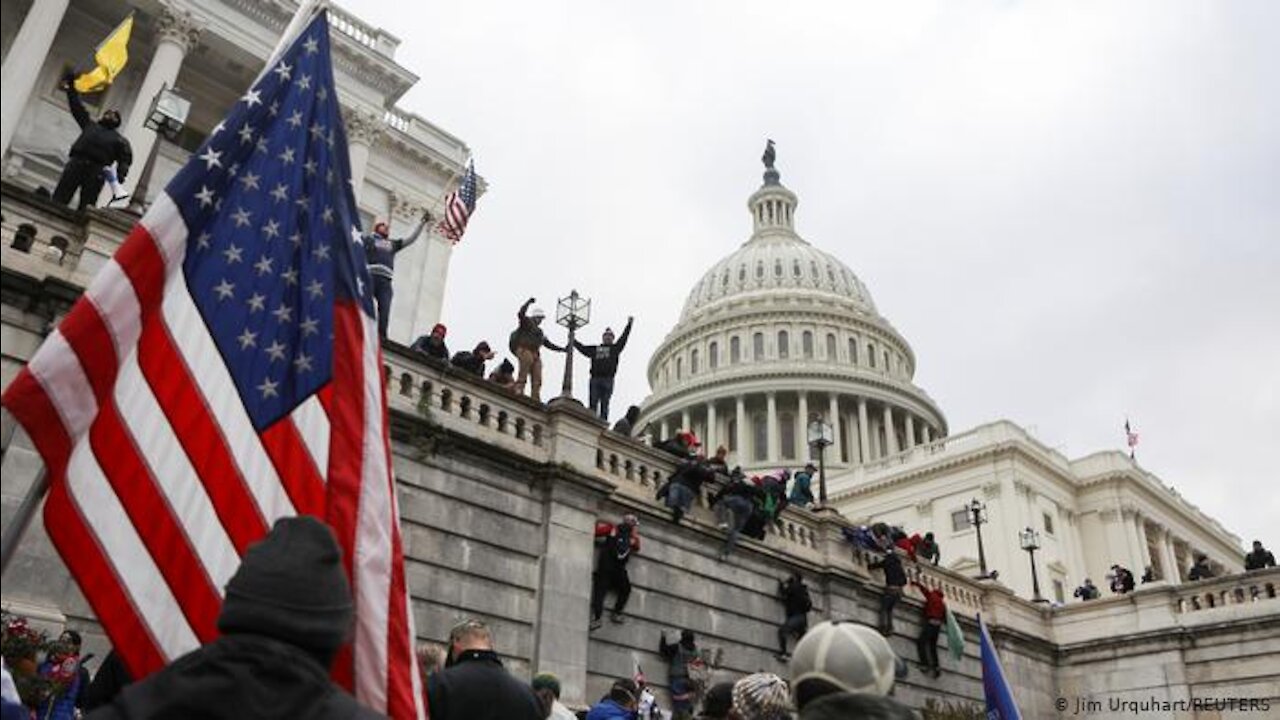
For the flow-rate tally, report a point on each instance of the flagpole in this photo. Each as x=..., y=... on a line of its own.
x=22, y=517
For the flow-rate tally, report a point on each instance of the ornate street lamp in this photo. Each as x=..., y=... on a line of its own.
x=572, y=312
x=978, y=513
x=820, y=437
x=168, y=113
x=1030, y=541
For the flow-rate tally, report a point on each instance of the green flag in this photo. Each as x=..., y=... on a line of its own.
x=955, y=638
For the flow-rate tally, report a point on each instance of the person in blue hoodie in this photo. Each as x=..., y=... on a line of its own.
x=619, y=704
x=380, y=252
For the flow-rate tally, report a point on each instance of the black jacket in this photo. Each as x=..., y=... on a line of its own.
x=469, y=361
x=693, y=473
x=795, y=597
x=111, y=678
x=237, y=677
x=477, y=687
x=431, y=347
x=604, y=358
x=98, y=143
x=894, y=574
x=1259, y=559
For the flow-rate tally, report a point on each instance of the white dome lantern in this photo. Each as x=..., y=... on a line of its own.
x=779, y=333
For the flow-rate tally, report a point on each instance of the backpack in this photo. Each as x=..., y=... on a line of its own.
x=699, y=677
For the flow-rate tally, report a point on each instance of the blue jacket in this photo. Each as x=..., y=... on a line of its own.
x=608, y=709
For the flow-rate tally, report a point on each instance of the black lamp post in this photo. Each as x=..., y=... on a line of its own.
x=572, y=312
x=1030, y=541
x=978, y=513
x=820, y=436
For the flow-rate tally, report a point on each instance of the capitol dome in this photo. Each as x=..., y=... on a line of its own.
x=780, y=333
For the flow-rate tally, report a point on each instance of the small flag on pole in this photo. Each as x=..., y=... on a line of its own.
x=995, y=687
x=1131, y=438
x=458, y=206
x=111, y=56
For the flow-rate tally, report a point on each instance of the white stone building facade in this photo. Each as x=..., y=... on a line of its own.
x=210, y=51
x=780, y=333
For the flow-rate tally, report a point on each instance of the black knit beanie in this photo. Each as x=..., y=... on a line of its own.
x=291, y=586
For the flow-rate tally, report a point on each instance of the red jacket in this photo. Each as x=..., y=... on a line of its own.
x=607, y=529
x=935, y=607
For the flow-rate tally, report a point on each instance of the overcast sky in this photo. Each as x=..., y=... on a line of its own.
x=1070, y=210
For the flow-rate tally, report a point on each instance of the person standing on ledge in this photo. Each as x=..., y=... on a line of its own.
x=98, y=146
x=527, y=341
x=380, y=252
x=604, y=367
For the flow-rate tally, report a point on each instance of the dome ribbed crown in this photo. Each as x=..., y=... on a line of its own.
x=775, y=260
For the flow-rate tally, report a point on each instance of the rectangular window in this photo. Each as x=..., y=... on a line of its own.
x=960, y=520
x=757, y=346
x=713, y=355
x=735, y=351
x=1048, y=523
x=1059, y=592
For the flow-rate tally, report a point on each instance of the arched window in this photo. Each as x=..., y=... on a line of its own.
x=732, y=428
x=871, y=354
x=777, y=268
x=784, y=345
x=795, y=268
x=679, y=368
x=831, y=347
x=760, y=270
x=853, y=350
x=742, y=273
x=693, y=362
x=813, y=270
x=735, y=350
x=760, y=436
x=725, y=281
x=713, y=355
x=886, y=361
x=757, y=347
x=787, y=426
x=806, y=345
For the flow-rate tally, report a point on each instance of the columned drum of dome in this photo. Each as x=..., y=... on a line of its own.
x=776, y=334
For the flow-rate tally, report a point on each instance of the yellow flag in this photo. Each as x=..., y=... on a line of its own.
x=111, y=56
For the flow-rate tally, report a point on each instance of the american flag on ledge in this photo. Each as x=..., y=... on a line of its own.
x=458, y=206
x=222, y=371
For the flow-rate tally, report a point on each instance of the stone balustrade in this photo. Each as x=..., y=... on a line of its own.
x=1245, y=589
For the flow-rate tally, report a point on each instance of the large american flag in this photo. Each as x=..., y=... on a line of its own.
x=458, y=206
x=222, y=371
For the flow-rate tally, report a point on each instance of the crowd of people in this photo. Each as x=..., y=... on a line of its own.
x=526, y=343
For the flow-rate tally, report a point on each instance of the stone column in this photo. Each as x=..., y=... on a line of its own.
x=890, y=437
x=771, y=400
x=864, y=441
x=684, y=420
x=928, y=433
x=1129, y=518
x=1144, y=546
x=909, y=428
x=23, y=63
x=833, y=411
x=802, y=437
x=712, y=434
x=1171, y=573
x=177, y=32
x=741, y=431
x=666, y=430
x=364, y=127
